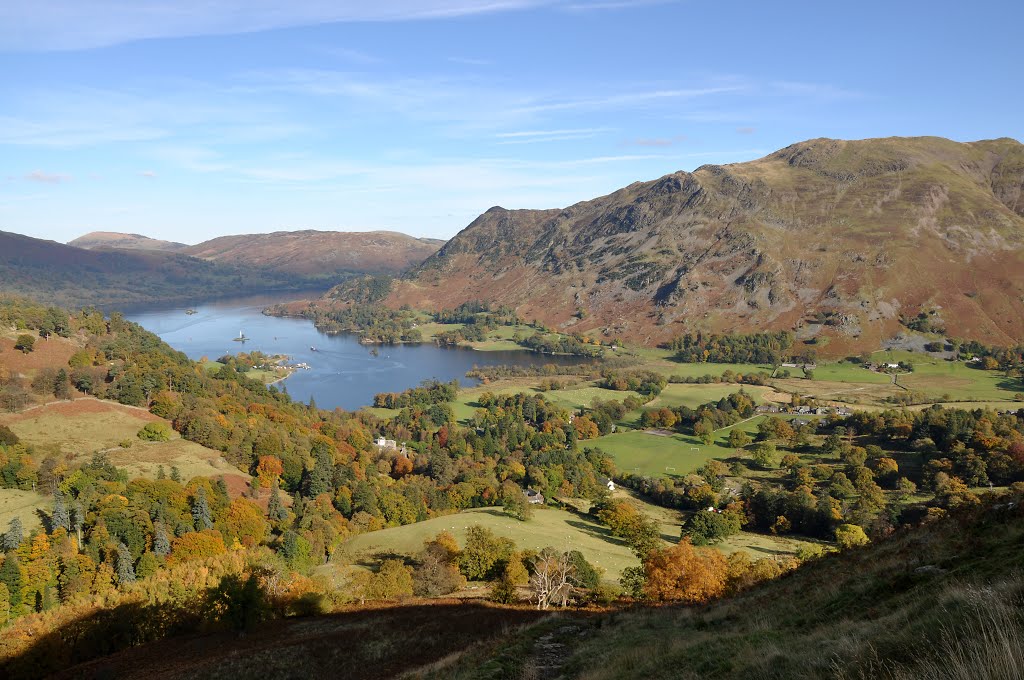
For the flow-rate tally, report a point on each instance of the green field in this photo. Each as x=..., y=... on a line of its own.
x=547, y=528
x=692, y=396
x=22, y=504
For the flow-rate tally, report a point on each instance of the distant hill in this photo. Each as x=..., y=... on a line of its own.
x=69, y=276
x=837, y=240
x=113, y=239
x=320, y=253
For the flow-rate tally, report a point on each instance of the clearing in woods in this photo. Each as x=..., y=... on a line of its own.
x=24, y=505
x=81, y=427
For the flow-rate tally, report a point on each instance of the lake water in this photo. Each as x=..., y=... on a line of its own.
x=342, y=373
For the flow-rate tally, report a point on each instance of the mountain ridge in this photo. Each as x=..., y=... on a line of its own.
x=837, y=240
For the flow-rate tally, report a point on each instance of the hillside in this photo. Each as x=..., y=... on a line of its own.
x=834, y=239
x=69, y=276
x=113, y=239
x=936, y=601
x=320, y=253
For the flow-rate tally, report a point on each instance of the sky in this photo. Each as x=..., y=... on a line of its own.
x=190, y=119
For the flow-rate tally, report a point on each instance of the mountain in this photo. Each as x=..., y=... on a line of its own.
x=837, y=240
x=69, y=276
x=320, y=253
x=113, y=239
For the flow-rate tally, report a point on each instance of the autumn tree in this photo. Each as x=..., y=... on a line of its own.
x=437, y=571
x=269, y=470
x=850, y=535
x=685, y=574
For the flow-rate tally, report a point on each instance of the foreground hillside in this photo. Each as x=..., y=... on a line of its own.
x=837, y=240
x=940, y=601
x=70, y=276
x=320, y=253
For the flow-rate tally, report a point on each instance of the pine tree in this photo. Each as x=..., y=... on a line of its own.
x=15, y=533
x=275, y=509
x=10, y=576
x=160, y=474
x=125, y=570
x=175, y=474
x=78, y=519
x=201, y=511
x=161, y=546
x=312, y=403
x=322, y=475
x=61, y=518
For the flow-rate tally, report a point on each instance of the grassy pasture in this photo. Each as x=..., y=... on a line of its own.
x=22, y=504
x=79, y=428
x=548, y=527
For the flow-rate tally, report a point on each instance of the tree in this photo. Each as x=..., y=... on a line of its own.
x=514, y=501
x=125, y=569
x=10, y=576
x=707, y=527
x=243, y=521
x=684, y=573
x=766, y=455
x=275, y=508
x=850, y=535
x=13, y=537
x=175, y=474
x=155, y=432
x=437, y=572
x=483, y=551
x=201, y=510
x=503, y=591
x=551, y=582
x=161, y=545
x=393, y=580
x=738, y=438
x=61, y=518
x=25, y=343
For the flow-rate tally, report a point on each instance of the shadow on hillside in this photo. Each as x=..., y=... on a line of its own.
x=140, y=640
x=597, y=532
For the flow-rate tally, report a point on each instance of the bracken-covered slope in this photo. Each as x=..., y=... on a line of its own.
x=853, y=233
x=320, y=253
x=115, y=239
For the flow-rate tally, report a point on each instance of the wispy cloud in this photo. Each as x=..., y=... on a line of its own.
x=657, y=141
x=82, y=24
x=43, y=177
x=745, y=130
x=148, y=174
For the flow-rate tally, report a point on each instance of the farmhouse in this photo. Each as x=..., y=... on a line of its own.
x=534, y=497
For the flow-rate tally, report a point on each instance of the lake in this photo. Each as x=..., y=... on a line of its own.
x=342, y=373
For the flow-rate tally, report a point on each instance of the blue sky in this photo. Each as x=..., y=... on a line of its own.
x=190, y=119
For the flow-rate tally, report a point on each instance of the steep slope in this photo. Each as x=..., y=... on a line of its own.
x=835, y=239
x=69, y=276
x=320, y=253
x=114, y=239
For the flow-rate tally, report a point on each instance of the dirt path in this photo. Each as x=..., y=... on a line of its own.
x=552, y=651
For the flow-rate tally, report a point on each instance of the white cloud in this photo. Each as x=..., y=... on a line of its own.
x=148, y=174
x=43, y=177
x=83, y=24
